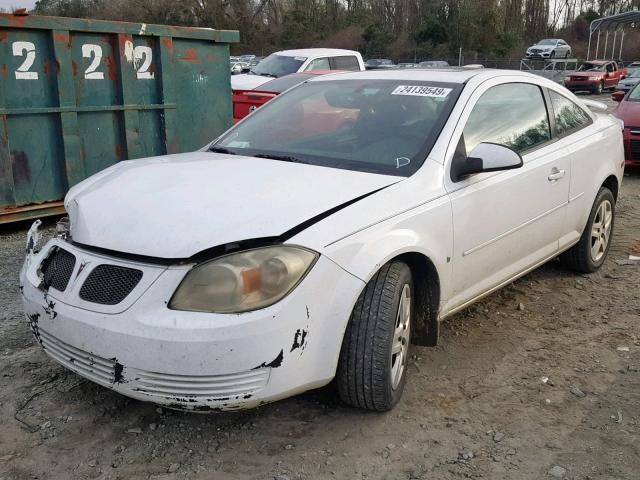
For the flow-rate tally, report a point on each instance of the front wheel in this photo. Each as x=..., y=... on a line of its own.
x=599, y=88
x=372, y=368
x=589, y=253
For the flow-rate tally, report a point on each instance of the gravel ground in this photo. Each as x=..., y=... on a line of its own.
x=540, y=380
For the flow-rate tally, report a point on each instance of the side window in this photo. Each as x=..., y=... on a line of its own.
x=349, y=63
x=609, y=67
x=318, y=64
x=568, y=116
x=512, y=114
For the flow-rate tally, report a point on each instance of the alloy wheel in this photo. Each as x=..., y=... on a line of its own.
x=400, y=344
x=601, y=230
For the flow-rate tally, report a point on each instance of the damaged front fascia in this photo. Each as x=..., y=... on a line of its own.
x=275, y=363
x=299, y=340
x=231, y=247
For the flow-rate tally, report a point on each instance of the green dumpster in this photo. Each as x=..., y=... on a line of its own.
x=79, y=95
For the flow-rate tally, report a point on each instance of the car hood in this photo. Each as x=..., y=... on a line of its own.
x=587, y=74
x=178, y=205
x=630, y=81
x=629, y=112
x=247, y=82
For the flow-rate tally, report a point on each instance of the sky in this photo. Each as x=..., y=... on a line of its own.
x=8, y=4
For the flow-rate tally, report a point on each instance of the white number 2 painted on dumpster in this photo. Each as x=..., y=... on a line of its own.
x=21, y=49
x=142, y=71
x=141, y=57
x=90, y=50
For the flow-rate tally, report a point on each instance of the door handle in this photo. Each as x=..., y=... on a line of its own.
x=556, y=174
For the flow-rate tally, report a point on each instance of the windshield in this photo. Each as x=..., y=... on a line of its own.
x=592, y=67
x=547, y=41
x=278, y=65
x=378, y=126
x=634, y=94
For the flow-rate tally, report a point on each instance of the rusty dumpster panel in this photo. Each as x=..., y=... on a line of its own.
x=77, y=95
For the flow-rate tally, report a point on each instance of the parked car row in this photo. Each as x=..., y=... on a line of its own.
x=385, y=63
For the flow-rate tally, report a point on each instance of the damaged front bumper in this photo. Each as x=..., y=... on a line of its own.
x=186, y=360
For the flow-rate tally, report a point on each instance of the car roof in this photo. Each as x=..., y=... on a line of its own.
x=315, y=52
x=598, y=62
x=445, y=75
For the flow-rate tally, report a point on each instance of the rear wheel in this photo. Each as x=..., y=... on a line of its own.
x=589, y=253
x=372, y=368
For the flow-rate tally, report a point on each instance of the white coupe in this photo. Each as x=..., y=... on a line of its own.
x=320, y=235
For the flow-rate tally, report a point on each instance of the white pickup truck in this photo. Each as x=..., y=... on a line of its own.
x=285, y=62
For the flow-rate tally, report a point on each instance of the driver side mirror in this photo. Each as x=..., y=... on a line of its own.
x=485, y=157
x=617, y=96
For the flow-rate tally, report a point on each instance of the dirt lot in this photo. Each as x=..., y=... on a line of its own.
x=541, y=378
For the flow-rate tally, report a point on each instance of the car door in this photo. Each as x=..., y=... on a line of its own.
x=587, y=147
x=507, y=222
x=611, y=77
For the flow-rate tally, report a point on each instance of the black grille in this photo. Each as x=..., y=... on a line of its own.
x=635, y=149
x=109, y=284
x=57, y=269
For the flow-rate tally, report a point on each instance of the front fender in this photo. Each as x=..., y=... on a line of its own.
x=425, y=229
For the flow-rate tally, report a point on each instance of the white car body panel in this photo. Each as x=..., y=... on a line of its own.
x=479, y=233
x=247, y=81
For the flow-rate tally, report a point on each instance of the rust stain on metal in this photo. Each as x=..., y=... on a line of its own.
x=3, y=36
x=20, y=166
x=111, y=68
x=118, y=151
x=46, y=67
x=17, y=20
x=74, y=65
x=167, y=43
x=60, y=37
x=81, y=154
x=3, y=71
x=190, y=56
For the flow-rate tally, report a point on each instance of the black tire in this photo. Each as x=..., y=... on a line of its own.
x=553, y=54
x=566, y=55
x=579, y=258
x=365, y=368
x=599, y=89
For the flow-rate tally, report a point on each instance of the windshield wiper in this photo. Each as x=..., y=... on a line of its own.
x=282, y=158
x=215, y=149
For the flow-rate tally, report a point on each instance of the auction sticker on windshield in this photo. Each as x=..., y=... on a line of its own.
x=421, y=91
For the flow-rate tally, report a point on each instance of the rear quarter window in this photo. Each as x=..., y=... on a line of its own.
x=568, y=116
x=349, y=63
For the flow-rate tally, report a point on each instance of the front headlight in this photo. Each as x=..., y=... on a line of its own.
x=243, y=281
x=593, y=79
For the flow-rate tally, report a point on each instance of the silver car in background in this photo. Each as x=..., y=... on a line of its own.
x=549, y=48
x=630, y=81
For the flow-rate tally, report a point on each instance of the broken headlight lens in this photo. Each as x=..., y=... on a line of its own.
x=243, y=281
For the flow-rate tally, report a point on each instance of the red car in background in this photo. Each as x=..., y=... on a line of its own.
x=595, y=76
x=629, y=112
x=246, y=101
